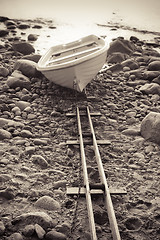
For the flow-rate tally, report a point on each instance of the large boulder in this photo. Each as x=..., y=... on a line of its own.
x=23, y=47
x=150, y=127
x=27, y=67
x=121, y=45
x=17, y=79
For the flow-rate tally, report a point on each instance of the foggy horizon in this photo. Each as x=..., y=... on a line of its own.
x=143, y=14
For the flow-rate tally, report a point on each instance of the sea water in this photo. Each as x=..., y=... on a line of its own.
x=76, y=18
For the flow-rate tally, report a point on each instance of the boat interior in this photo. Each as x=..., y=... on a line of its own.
x=68, y=53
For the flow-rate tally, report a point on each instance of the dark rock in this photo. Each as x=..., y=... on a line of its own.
x=61, y=183
x=152, y=59
x=27, y=67
x=23, y=26
x=38, y=159
x=152, y=44
x=32, y=57
x=120, y=45
x=52, y=27
x=26, y=134
x=133, y=223
x=100, y=216
x=30, y=150
x=154, y=66
x=32, y=37
x=150, y=75
x=150, y=88
x=3, y=33
x=142, y=59
x=150, y=127
x=8, y=193
x=132, y=64
x=37, y=26
x=54, y=235
x=134, y=39
x=65, y=228
x=3, y=19
x=115, y=68
x=116, y=58
x=137, y=72
x=151, y=52
x=156, y=80
x=29, y=230
x=23, y=47
x=9, y=23
x=4, y=72
x=4, y=134
x=18, y=80
x=11, y=27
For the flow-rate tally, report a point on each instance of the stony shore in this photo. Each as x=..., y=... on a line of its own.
x=37, y=165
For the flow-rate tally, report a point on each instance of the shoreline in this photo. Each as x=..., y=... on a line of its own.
x=53, y=32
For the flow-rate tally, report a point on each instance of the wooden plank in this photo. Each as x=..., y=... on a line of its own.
x=88, y=142
x=82, y=191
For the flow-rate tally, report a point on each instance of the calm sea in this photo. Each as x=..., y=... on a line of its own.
x=76, y=18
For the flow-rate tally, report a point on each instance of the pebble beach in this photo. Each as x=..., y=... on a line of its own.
x=36, y=163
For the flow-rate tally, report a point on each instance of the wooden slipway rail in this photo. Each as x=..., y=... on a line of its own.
x=103, y=188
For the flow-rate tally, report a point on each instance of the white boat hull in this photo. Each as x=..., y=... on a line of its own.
x=77, y=76
x=75, y=73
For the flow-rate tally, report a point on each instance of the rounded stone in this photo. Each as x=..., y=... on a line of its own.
x=54, y=235
x=15, y=236
x=4, y=134
x=47, y=203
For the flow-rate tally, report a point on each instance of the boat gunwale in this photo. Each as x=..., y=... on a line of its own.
x=70, y=66
x=73, y=62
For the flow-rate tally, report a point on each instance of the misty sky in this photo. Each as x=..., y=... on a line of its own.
x=146, y=11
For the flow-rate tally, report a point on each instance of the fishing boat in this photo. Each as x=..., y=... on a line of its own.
x=75, y=64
